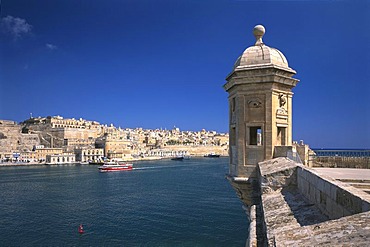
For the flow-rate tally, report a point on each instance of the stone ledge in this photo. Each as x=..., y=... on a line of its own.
x=347, y=231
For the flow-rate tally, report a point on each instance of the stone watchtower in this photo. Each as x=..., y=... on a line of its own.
x=260, y=108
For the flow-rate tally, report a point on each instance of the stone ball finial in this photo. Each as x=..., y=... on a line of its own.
x=258, y=32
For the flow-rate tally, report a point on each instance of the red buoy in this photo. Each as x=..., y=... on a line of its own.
x=81, y=229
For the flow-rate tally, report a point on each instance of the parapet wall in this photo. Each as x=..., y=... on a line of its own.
x=334, y=198
x=340, y=162
x=298, y=207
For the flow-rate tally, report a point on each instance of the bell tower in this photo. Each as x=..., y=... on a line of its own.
x=260, y=107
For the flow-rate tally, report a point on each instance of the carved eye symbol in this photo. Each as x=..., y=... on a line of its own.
x=254, y=103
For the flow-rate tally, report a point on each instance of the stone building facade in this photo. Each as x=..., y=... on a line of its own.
x=115, y=147
x=89, y=154
x=64, y=158
x=39, y=154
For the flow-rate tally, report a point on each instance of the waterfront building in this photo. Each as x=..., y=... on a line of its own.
x=114, y=146
x=64, y=158
x=41, y=153
x=89, y=154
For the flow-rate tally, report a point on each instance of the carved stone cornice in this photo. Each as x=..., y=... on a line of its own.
x=261, y=74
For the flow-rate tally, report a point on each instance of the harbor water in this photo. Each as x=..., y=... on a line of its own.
x=159, y=203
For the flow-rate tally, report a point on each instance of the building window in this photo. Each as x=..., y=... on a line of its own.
x=255, y=135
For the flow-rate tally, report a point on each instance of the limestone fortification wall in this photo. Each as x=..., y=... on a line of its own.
x=341, y=162
x=55, y=137
x=11, y=138
x=199, y=150
x=334, y=198
x=300, y=208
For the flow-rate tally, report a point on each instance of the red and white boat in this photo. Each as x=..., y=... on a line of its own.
x=115, y=166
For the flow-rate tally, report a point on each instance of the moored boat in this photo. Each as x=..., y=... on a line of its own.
x=178, y=158
x=107, y=167
x=212, y=155
x=96, y=163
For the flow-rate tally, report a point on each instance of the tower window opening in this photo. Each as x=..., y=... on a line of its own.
x=281, y=136
x=233, y=137
x=255, y=136
x=233, y=104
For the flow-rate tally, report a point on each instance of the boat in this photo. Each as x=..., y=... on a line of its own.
x=100, y=163
x=115, y=166
x=212, y=155
x=178, y=158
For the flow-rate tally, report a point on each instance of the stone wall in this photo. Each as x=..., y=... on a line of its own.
x=340, y=162
x=300, y=208
x=199, y=150
x=11, y=138
x=334, y=198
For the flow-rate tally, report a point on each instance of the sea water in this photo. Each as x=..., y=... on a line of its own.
x=159, y=203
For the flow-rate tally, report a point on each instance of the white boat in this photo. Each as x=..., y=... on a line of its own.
x=115, y=166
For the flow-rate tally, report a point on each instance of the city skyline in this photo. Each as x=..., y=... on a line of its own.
x=160, y=64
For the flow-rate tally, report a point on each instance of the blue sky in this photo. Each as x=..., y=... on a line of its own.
x=159, y=64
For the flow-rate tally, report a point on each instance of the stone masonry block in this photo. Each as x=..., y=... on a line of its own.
x=305, y=187
x=327, y=185
x=349, y=201
x=311, y=193
x=304, y=174
x=346, y=212
x=299, y=171
x=333, y=191
x=365, y=206
x=319, y=183
x=337, y=212
x=313, y=179
x=318, y=196
x=309, y=176
x=299, y=183
x=329, y=205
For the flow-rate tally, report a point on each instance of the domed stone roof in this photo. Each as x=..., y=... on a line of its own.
x=261, y=54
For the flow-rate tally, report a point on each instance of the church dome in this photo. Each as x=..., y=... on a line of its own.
x=261, y=54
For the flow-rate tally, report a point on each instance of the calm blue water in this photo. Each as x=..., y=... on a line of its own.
x=162, y=203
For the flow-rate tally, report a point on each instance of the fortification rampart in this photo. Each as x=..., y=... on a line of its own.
x=11, y=138
x=334, y=198
x=301, y=208
x=340, y=162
